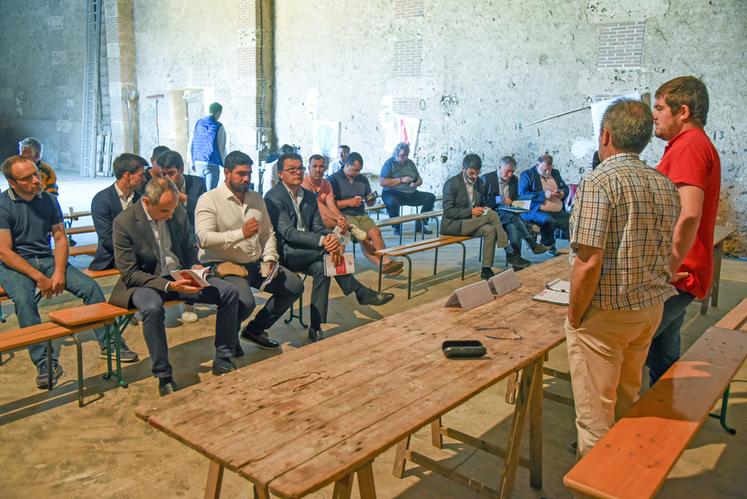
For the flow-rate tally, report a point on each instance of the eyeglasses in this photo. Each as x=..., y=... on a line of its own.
x=293, y=171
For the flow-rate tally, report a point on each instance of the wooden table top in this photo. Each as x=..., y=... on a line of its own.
x=721, y=232
x=300, y=420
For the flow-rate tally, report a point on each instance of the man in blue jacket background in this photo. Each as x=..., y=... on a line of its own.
x=209, y=146
x=546, y=190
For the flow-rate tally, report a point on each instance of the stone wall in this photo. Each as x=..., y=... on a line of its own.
x=41, y=77
x=477, y=72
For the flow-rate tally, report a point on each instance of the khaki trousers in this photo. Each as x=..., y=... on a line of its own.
x=606, y=354
x=490, y=228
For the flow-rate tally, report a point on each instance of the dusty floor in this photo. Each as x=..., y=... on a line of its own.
x=49, y=446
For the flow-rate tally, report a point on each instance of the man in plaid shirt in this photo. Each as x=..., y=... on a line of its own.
x=621, y=236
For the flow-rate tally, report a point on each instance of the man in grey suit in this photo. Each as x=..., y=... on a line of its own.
x=151, y=239
x=465, y=213
x=304, y=240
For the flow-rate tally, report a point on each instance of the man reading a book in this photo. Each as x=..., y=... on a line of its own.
x=151, y=240
x=621, y=239
x=236, y=238
x=304, y=241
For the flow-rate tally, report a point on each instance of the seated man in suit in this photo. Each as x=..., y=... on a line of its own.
x=233, y=226
x=191, y=187
x=304, y=240
x=150, y=241
x=351, y=191
x=545, y=188
x=28, y=215
x=465, y=213
x=501, y=189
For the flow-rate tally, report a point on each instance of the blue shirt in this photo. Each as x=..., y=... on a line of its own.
x=344, y=188
x=393, y=169
x=30, y=222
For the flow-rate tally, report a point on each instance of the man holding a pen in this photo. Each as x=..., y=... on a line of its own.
x=621, y=239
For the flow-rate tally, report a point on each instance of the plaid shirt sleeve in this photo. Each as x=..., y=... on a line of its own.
x=591, y=216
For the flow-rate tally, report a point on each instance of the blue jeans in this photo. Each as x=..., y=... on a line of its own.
x=665, y=346
x=22, y=289
x=211, y=174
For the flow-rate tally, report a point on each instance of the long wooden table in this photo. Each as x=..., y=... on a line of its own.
x=297, y=422
x=720, y=234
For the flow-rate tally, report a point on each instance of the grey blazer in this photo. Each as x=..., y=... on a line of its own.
x=456, y=204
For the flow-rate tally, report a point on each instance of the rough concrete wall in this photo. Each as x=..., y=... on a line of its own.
x=41, y=77
x=209, y=47
x=487, y=68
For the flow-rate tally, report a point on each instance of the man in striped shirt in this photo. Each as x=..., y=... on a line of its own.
x=621, y=236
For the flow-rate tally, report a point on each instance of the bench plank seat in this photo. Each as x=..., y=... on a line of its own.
x=736, y=318
x=32, y=335
x=84, y=249
x=84, y=229
x=649, y=439
x=97, y=274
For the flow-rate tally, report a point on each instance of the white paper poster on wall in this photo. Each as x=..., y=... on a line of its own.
x=598, y=109
x=326, y=138
x=401, y=128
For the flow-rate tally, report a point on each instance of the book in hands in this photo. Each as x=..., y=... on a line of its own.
x=197, y=277
x=271, y=274
x=346, y=266
x=343, y=236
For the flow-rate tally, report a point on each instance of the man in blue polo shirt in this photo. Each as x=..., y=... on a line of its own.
x=27, y=218
x=351, y=190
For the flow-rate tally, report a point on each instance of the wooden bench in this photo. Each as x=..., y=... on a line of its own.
x=406, y=250
x=635, y=457
x=412, y=218
x=720, y=234
x=85, y=229
x=85, y=249
x=73, y=216
x=44, y=333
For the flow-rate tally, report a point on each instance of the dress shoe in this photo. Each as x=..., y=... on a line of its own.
x=262, y=340
x=371, y=297
x=166, y=388
x=237, y=350
x=517, y=262
x=222, y=365
x=393, y=268
x=538, y=249
x=397, y=230
x=315, y=334
x=42, y=380
x=422, y=228
x=486, y=273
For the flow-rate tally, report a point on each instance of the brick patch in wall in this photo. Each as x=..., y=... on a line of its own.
x=408, y=57
x=621, y=45
x=408, y=8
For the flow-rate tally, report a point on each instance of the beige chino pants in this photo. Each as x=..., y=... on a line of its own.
x=606, y=354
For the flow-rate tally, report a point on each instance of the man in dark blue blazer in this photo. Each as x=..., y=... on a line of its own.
x=191, y=187
x=502, y=189
x=546, y=190
x=304, y=240
x=107, y=204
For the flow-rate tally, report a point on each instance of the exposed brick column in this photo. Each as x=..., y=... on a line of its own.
x=256, y=71
x=120, y=50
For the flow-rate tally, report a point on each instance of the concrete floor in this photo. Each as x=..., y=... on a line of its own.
x=49, y=446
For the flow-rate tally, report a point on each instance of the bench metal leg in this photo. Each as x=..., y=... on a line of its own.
x=49, y=365
x=409, y=277
x=381, y=263
x=479, y=252
x=435, y=262
x=292, y=314
x=79, y=355
x=464, y=256
x=721, y=415
x=114, y=335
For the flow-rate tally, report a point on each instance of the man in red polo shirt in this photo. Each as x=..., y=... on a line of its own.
x=690, y=161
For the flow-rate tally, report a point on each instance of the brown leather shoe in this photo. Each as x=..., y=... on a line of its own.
x=393, y=268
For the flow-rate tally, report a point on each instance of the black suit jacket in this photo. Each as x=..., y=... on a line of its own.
x=194, y=187
x=104, y=208
x=298, y=248
x=493, y=188
x=456, y=204
x=136, y=253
